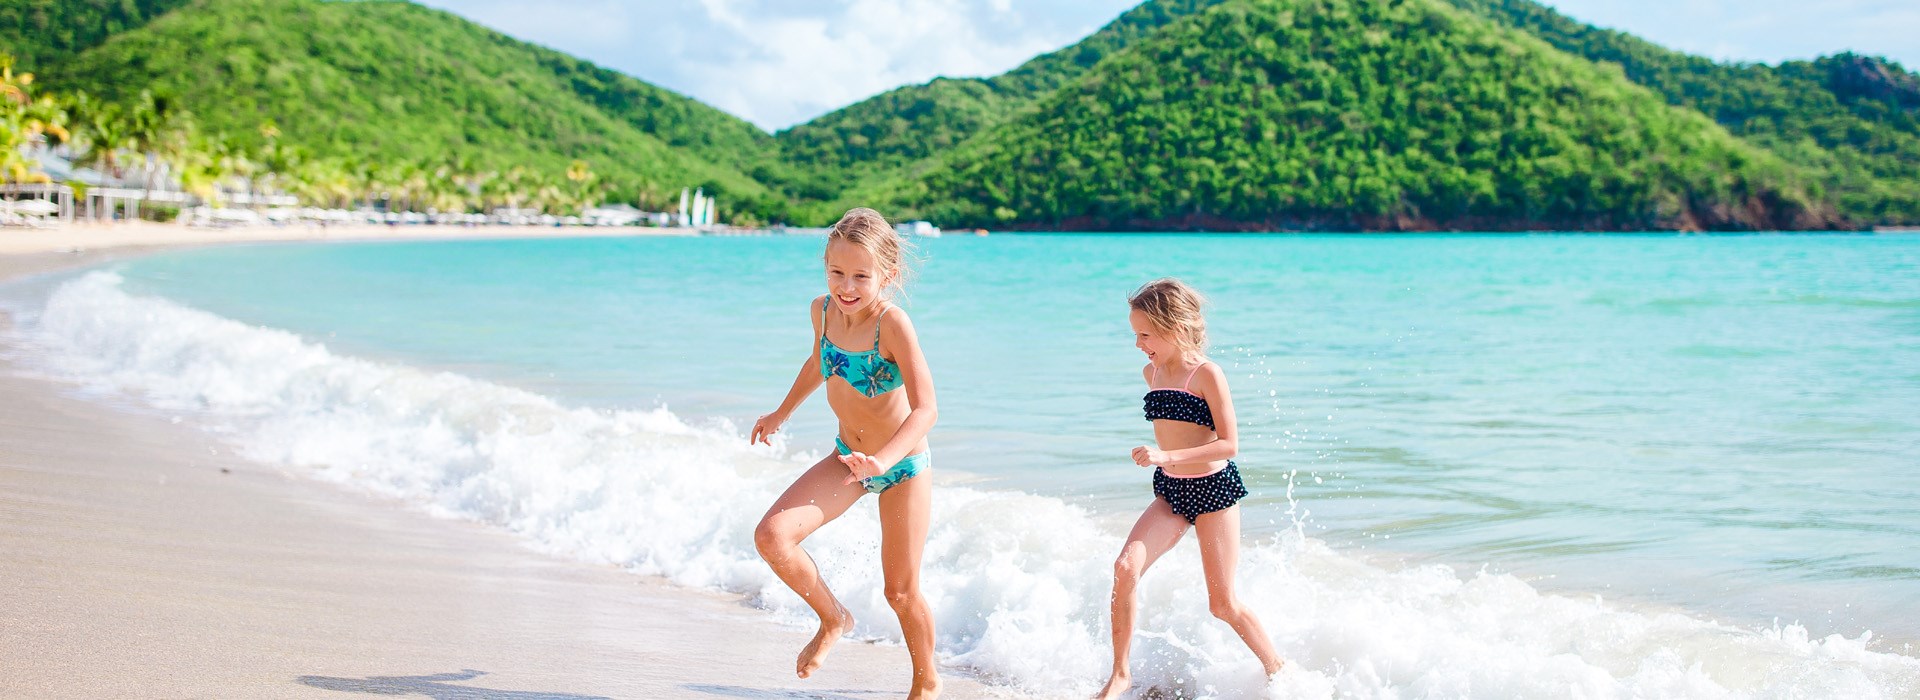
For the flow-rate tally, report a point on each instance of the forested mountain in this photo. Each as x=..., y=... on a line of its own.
x=1235, y=114
x=1854, y=118
x=1358, y=114
x=42, y=32
x=871, y=138
x=395, y=82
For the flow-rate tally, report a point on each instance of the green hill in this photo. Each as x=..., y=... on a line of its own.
x=43, y=32
x=387, y=82
x=1388, y=114
x=1854, y=118
x=871, y=138
x=1356, y=114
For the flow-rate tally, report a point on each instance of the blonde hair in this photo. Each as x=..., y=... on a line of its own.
x=868, y=229
x=1174, y=309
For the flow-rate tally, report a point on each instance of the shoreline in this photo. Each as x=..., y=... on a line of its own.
x=751, y=624
x=144, y=559
x=88, y=237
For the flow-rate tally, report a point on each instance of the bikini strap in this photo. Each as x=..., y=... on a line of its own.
x=876, y=326
x=1196, y=370
x=824, y=301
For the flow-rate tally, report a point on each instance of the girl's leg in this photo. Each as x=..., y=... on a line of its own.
x=815, y=499
x=1157, y=531
x=1219, y=534
x=904, y=518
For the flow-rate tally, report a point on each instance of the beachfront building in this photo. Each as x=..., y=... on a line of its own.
x=81, y=193
x=613, y=215
x=36, y=204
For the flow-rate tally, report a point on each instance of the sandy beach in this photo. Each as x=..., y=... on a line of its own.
x=136, y=234
x=143, y=560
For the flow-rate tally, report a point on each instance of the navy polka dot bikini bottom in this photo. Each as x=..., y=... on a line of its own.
x=1192, y=497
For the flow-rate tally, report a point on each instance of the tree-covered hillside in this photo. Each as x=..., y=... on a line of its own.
x=1369, y=114
x=872, y=138
x=42, y=32
x=1854, y=118
x=1388, y=114
x=386, y=82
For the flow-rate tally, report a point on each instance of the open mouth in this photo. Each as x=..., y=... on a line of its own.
x=847, y=300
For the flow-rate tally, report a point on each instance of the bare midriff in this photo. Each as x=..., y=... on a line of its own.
x=866, y=424
x=1179, y=435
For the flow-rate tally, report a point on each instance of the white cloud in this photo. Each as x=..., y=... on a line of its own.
x=781, y=62
x=779, y=67
x=1768, y=31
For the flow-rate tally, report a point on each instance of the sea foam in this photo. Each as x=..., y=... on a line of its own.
x=1019, y=583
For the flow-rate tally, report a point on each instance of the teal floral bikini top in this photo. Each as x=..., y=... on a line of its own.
x=868, y=372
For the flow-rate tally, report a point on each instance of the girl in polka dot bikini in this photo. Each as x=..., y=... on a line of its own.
x=1195, y=483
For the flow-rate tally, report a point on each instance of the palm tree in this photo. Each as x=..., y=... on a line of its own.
x=13, y=86
x=154, y=127
x=105, y=131
x=202, y=168
x=585, y=192
x=25, y=122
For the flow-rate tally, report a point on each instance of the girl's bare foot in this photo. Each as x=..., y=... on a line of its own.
x=925, y=691
x=816, y=650
x=1116, y=686
x=1275, y=668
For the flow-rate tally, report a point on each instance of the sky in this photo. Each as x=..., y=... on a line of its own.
x=778, y=63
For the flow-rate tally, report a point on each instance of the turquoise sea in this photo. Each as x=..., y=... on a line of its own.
x=1625, y=465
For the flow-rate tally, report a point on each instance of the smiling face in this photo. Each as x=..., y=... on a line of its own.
x=854, y=278
x=1152, y=341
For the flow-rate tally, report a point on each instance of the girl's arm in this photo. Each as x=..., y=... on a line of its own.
x=897, y=333
x=803, y=386
x=1212, y=385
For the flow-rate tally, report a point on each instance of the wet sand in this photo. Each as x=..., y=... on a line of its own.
x=141, y=559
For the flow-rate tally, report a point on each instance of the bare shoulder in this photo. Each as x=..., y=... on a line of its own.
x=896, y=323
x=1146, y=374
x=1210, y=379
x=817, y=311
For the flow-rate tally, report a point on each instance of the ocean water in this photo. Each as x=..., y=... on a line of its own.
x=1490, y=466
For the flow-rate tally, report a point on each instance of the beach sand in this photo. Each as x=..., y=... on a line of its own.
x=141, y=559
x=15, y=241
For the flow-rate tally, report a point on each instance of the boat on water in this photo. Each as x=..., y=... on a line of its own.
x=917, y=228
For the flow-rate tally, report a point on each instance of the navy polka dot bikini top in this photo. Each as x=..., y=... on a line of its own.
x=1178, y=404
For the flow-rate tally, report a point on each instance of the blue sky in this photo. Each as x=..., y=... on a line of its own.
x=781, y=62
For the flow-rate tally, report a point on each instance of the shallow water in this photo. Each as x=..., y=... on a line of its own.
x=1720, y=425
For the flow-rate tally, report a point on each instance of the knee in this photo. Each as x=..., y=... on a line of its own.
x=1224, y=607
x=1127, y=570
x=901, y=596
x=771, y=539
x=1129, y=566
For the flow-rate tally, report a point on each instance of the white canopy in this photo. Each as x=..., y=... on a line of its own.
x=36, y=207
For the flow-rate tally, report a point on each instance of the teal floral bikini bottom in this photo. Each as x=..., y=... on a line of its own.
x=906, y=469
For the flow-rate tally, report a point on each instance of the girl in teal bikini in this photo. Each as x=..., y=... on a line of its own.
x=864, y=350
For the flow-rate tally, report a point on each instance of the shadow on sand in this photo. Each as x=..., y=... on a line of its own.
x=735, y=691
x=434, y=686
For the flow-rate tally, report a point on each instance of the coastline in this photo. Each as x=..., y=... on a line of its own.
x=143, y=559
x=1331, y=607
x=86, y=237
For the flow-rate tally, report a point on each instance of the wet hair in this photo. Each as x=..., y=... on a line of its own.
x=868, y=229
x=1174, y=309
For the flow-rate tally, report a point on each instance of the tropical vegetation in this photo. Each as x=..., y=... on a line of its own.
x=1215, y=114
x=1368, y=114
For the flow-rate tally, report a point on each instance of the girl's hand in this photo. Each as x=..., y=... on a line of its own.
x=765, y=427
x=1146, y=456
x=862, y=466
